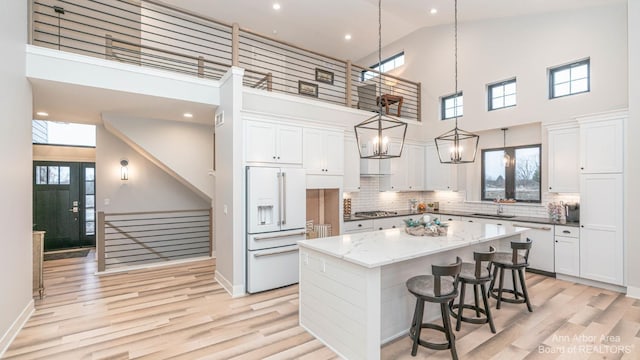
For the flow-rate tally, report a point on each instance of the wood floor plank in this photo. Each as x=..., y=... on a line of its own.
x=181, y=312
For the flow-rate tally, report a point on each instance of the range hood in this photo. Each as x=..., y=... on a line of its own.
x=375, y=167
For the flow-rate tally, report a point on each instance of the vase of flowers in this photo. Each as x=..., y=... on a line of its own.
x=555, y=211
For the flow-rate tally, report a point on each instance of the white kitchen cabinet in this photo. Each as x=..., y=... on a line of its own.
x=567, y=250
x=415, y=167
x=439, y=176
x=350, y=227
x=398, y=167
x=601, y=146
x=444, y=217
x=323, y=152
x=396, y=222
x=542, y=253
x=601, y=225
x=273, y=143
x=351, y=180
x=564, y=159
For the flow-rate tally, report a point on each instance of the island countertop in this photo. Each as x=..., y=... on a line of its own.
x=378, y=248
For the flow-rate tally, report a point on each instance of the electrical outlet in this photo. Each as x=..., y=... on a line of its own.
x=219, y=119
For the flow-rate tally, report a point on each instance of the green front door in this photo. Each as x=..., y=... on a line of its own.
x=63, y=203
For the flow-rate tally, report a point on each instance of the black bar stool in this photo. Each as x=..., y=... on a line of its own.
x=442, y=288
x=515, y=262
x=477, y=274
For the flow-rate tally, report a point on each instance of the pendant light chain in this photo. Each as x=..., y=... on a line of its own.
x=455, y=37
x=380, y=53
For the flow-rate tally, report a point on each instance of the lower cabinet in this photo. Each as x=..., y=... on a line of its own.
x=357, y=226
x=567, y=244
x=542, y=254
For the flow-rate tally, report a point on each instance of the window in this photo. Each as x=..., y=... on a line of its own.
x=386, y=65
x=56, y=133
x=519, y=179
x=569, y=79
x=52, y=175
x=502, y=94
x=452, y=106
x=89, y=200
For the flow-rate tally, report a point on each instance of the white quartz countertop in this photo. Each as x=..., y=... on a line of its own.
x=378, y=248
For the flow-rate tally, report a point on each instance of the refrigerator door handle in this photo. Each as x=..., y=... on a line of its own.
x=279, y=198
x=284, y=198
x=275, y=252
x=278, y=236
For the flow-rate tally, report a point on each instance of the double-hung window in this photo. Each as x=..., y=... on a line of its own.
x=451, y=106
x=502, y=94
x=569, y=79
x=386, y=65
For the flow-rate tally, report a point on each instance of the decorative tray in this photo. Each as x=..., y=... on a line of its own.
x=425, y=227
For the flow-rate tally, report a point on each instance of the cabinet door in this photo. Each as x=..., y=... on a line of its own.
x=289, y=144
x=564, y=162
x=601, y=147
x=438, y=176
x=351, y=165
x=314, y=151
x=260, y=142
x=567, y=255
x=334, y=153
x=397, y=180
x=415, y=167
x=601, y=225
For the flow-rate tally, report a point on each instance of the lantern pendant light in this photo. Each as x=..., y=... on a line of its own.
x=375, y=133
x=457, y=146
x=506, y=160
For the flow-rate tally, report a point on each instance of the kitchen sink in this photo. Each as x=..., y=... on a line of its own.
x=499, y=216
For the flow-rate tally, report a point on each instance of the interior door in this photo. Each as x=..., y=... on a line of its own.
x=59, y=206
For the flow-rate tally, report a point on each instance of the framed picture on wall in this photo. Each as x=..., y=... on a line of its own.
x=307, y=88
x=324, y=76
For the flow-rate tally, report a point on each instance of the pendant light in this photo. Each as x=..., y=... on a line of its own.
x=457, y=146
x=506, y=160
x=374, y=134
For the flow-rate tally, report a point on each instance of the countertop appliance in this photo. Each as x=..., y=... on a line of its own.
x=572, y=211
x=276, y=219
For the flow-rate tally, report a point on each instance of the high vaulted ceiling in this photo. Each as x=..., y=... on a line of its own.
x=321, y=25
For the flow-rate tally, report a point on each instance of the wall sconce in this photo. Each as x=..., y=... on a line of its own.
x=124, y=170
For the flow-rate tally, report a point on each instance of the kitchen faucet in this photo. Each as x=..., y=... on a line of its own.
x=500, y=209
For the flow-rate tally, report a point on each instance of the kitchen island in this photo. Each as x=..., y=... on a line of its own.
x=352, y=287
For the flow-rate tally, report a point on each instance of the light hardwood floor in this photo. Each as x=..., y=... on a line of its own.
x=181, y=312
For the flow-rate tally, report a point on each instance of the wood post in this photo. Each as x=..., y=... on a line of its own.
x=100, y=248
x=200, y=66
x=235, y=45
x=108, y=47
x=347, y=92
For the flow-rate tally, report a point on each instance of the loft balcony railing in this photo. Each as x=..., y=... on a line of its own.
x=152, y=34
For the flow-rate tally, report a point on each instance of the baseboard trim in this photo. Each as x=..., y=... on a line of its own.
x=234, y=291
x=125, y=269
x=594, y=283
x=633, y=292
x=14, y=329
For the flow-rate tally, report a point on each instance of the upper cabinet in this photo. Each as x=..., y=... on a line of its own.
x=397, y=168
x=415, y=167
x=601, y=146
x=351, y=180
x=439, y=176
x=273, y=143
x=564, y=159
x=323, y=152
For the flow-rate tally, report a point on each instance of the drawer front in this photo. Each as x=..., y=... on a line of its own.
x=357, y=226
x=567, y=231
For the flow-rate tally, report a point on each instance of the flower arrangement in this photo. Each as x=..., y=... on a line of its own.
x=555, y=210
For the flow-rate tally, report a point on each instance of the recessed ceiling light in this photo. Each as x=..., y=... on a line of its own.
x=347, y=37
x=433, y=11
x=276, y=6
x=188, y=115
x=42, y=113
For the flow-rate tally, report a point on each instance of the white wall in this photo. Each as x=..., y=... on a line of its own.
x=632, y=170
x=184, y=149
x=148, y=188
x=15, y=157
x=522, y=47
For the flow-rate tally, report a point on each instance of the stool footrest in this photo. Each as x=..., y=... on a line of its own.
x=431, y=345
x=475, y=320
x=494, y=294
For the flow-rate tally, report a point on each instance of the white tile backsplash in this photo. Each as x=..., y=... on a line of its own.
x=370, y=198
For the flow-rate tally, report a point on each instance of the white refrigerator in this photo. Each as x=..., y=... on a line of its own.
x=276, y=217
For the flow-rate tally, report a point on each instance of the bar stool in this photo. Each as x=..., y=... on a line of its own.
x=442, y=288
x=515, y=262
x=478, y=275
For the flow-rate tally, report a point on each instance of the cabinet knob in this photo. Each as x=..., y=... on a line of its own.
x=566, y=232
x=470, y=220
x=581, y=168
x=393, y=227
x=581, y=226
x=278, y=157
x=359, y=225
x=549, y=187
x=556, y=240
x=380, y=228
x=274, y=157
x=499, y=224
